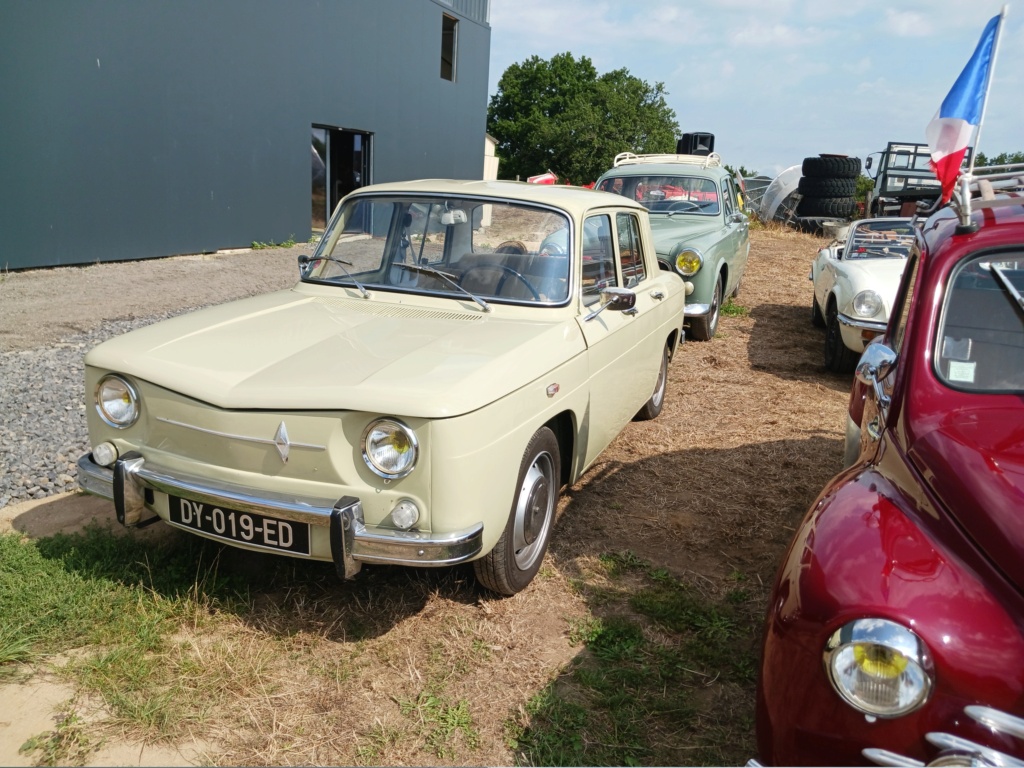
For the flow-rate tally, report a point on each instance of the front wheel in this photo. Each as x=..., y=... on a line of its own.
x=703, y=328
x=652, y=408
x=838, y=357
x=516, y=558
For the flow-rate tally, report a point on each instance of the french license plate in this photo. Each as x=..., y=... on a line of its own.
x=245, y=527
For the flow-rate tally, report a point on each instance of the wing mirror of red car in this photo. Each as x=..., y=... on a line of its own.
x=618, y=299
x=874, y=366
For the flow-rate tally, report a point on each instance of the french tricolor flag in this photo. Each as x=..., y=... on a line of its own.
x=951, y=131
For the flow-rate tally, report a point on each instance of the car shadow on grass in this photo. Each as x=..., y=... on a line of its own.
x=797, y=354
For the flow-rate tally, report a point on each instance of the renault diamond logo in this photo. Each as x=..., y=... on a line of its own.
x=281, y=441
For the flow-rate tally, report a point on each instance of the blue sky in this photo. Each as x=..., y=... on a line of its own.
x=779, y=80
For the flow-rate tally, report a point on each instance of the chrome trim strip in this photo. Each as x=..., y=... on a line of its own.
x=999, y=721
x=946, y=741
x=279, y=441
x=867, y=325
x=885, y=757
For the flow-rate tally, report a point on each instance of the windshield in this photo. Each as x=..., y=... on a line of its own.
x=667, y=194
x=881, y=239
x=498, y=251
x=981, y=332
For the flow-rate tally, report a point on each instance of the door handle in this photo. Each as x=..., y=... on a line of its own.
x=657, y=294
x=631, y=311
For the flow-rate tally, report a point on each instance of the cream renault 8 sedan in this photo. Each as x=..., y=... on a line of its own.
x=454, y=353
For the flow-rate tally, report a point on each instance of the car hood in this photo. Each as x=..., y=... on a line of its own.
x=880, y=275
x=668, y=230
x=974, y=462
x=294, y=351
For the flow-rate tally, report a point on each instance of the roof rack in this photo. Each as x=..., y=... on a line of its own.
x=713, y=160
x=989, y=186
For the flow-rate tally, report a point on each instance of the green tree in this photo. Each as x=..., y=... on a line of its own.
x=561, y=116
x=1003, y=158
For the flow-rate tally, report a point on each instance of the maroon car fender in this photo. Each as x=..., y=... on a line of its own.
x=867, y=549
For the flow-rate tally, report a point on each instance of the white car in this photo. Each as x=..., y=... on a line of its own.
x=855, y=279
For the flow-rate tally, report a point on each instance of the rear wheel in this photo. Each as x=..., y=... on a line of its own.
x=652, y=408
x=516, y=558
x=838, y=357
x=703, y=328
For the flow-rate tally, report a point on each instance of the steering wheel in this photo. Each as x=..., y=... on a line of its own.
x=501, y=282
x=553, y=249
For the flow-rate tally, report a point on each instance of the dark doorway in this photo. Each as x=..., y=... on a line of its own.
x=341, y=163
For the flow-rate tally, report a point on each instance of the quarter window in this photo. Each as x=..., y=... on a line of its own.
x=631, y=259
x=598, y=259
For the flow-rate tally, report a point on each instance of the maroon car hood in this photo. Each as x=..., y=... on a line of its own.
x=974, y=462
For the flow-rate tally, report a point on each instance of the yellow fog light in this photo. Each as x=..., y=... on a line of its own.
x=390, y=448
x=879, y=667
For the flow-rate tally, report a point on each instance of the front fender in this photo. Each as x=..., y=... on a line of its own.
x=866, y=549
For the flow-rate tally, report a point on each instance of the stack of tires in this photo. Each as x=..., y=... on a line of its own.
x=828, y=186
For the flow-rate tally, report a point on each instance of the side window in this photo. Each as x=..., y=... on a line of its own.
x=631, y=258
x=449, y=46
x=902, y=312
x=598, y=259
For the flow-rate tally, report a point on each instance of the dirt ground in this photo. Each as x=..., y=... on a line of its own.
x=751, y=431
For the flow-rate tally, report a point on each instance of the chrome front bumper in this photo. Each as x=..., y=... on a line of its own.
x=696, y=310
x=864, y=325
x=132, y=481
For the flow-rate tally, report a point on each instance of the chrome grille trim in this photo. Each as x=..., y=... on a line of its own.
x=960, y=751
x=279, y=441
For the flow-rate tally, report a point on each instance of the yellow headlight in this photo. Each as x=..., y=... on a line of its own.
x=688, y=262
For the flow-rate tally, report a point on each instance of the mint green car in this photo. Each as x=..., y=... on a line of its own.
x=454, y=353
x=698, y=224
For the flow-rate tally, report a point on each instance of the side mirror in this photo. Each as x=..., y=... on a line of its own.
x=737, y=218
x=304, y=261
x=867, y=163
x=617, y=299
x=874, y=366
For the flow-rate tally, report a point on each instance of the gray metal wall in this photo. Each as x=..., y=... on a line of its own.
x=140, y=128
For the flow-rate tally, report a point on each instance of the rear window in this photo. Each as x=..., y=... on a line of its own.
x=981, y=330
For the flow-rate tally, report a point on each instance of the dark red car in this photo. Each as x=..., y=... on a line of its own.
x=895, y=630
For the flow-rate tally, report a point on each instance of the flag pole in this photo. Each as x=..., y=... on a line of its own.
x=988, y=86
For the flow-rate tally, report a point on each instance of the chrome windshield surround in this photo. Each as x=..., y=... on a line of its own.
x=279, y=440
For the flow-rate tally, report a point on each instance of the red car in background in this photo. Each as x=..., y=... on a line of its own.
x=895, y=630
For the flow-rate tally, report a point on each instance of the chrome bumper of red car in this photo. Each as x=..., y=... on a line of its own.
x=352, y=541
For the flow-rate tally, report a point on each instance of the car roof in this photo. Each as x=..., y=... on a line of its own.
x=576, y=200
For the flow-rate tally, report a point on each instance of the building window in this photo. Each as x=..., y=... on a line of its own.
x=449, y=43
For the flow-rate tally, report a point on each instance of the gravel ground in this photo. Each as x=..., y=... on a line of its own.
x=50, y=318
x=42, y=413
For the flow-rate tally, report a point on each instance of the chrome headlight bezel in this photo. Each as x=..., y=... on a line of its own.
x=130, y=397
x=688, y=261
x=377, y=433
x=867, y=303
x=879, y=643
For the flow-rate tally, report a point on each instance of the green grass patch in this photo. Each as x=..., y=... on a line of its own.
x=732, y=309
x=643, y=692
x=258, y=245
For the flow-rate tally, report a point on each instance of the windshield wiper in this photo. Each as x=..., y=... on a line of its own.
x=305, y=261
x=1007, y=286
x=447, y=278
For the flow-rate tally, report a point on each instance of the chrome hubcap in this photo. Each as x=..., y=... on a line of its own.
x=534, y=511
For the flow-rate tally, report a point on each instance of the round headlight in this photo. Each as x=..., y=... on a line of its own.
x=117, y=402
x=688, y=261
x=390, y=448
x=879, y=667
x=867, y=303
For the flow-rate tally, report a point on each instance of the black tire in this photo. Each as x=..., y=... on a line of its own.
x=703, y=328
x=817, y=319
x=652, y=408
x=839, y=207
x=810, y=186
x=516, y=558
x=831, y=167
x=838, y=357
